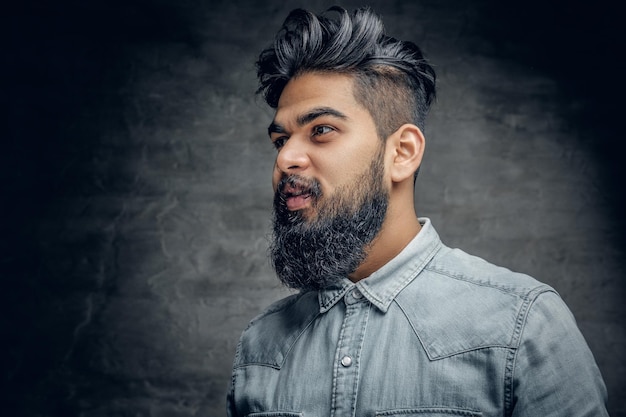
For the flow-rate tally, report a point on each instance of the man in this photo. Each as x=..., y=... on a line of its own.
x=388, y=320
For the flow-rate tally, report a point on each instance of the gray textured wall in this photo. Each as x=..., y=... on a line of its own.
x=135, y=172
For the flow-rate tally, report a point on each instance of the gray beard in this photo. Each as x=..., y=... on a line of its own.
x=319, y=253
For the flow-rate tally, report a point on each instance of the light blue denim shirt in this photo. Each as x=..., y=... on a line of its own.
x=434, y=332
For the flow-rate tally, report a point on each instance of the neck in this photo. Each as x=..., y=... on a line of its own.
x=399, y=228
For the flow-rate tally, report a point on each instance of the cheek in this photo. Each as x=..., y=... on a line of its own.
x=352, y=162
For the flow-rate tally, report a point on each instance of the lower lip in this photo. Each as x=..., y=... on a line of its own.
x=298, y=202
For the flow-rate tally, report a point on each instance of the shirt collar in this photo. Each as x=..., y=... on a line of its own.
x=383, y=286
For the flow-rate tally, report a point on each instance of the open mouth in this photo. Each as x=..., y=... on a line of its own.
x=298, y=202
x=297, y=196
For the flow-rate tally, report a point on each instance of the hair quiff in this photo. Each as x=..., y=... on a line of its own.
x=393, y=80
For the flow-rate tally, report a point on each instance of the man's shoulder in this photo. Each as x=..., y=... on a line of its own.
x=461, y=268
x=269, y=335
x=461, y=302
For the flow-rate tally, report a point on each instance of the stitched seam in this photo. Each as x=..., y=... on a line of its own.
x=516, y=338
x=333, y=400
x=521, y=292
x=430, y=410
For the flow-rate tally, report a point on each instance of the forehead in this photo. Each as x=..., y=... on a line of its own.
x=315, y=90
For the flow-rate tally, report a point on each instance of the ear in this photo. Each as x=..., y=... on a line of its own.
x=406, y=146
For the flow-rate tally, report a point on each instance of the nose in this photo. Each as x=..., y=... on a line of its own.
x=292, y=158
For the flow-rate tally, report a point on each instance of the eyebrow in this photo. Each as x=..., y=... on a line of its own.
x=308, y=117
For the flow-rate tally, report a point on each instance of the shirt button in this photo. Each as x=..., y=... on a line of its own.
x=357, y=294
x=346, y=361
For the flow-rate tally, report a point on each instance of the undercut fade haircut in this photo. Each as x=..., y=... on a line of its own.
x=392, y=79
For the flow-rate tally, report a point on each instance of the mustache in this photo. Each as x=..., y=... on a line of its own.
x=294, y=185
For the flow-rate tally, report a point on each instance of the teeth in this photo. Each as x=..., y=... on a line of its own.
x=292, y=191
x=295, y=187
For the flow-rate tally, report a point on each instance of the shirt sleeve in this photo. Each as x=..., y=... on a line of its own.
x=230, y=404
x=554, y=372
x=231, y=409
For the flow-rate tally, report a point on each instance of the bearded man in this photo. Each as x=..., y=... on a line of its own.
x=388, y=320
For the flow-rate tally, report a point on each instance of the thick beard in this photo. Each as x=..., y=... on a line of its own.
x=318, y=253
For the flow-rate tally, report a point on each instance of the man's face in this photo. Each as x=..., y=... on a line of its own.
x=321, y=132
x=330, y=198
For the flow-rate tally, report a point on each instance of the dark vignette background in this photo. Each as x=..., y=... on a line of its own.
x=135, y=181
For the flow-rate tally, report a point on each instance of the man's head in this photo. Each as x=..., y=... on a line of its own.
x=392, y=78
x=339, y=87
x=331, y=197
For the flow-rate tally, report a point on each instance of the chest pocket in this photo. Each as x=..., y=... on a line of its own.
x=429, y=412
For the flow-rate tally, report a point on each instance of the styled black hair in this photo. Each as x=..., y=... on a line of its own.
x=393, y=80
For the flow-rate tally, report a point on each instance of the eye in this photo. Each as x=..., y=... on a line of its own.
x=321, y=130
x=279, y=142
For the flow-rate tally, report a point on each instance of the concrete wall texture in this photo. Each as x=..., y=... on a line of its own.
x=135, y=171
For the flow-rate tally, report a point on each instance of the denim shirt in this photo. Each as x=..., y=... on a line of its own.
x=434, y=332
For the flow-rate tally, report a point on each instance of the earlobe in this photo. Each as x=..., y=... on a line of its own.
x=408, y=148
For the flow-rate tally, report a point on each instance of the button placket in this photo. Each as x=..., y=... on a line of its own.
x=346, y=368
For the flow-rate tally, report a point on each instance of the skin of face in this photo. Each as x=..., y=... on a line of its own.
x=320, y=131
